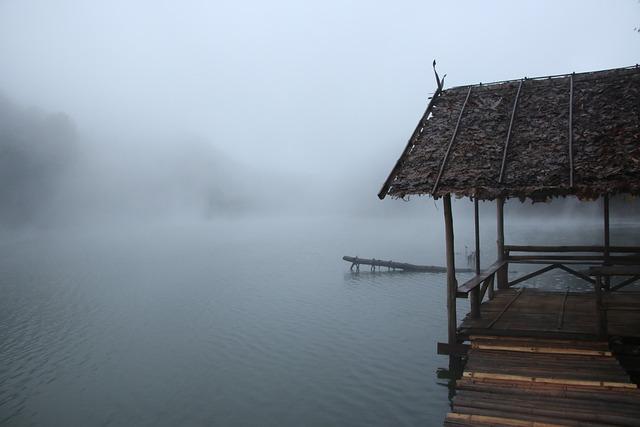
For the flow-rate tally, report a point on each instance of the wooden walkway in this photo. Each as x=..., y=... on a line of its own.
x=542, y=382
x=535, y=361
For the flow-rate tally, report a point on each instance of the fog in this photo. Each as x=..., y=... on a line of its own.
x=129, y=111
x=180, y=179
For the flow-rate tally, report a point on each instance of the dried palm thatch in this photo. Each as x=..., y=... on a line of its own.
x=574, y=134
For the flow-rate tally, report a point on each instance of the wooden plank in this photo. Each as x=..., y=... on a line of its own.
x=564, y=259
x=534, y=349
x=501, y=421
x=555, y=257
x=564, y=381
x=545, y=342
x=558, y=410
x=580, y=248
x=603, y=394
x=477, y=280
x=565, y=262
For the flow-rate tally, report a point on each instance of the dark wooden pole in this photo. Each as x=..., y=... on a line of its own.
x=601, y=314
x=607, y=246
x=475, y=293
x=502, y=274
x=452, y=285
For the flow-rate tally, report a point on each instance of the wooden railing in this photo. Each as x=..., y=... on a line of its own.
x=479, y=285
x=560, y=257
x=553, y=257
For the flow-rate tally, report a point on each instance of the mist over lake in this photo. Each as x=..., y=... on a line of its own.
x=179, y=182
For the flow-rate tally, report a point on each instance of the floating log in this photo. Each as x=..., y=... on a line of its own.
x=356, y=262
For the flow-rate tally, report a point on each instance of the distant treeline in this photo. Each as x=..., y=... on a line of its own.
x=35, y=150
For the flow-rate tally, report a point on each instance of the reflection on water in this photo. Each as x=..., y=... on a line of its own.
x=241, y=323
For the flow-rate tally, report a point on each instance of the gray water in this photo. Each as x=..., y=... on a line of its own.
x=243, y=323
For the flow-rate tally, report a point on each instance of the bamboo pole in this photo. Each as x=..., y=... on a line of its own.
x=601, y=314
x=452, y=285
x=502, y=274
x=475, y=292
x=607, y=251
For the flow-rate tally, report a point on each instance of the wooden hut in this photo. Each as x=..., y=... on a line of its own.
x=575, y=134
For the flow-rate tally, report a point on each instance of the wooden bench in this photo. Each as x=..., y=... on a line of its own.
x=475, y=281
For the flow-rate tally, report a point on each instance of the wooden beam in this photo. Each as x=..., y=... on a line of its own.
x=445, y=349
x=490, y=290
x=452, y=285
x=502, y=275
x=476, y=223
x=601, y=314
x=533, y=274
x=477, y=280
x=624, y=283
x=506, y=142
x=558, y=257
x=555, y=261
x=607, y=253
x=614, y=270
x=576, y=273
x=596, y=248
x=561, y=314
x=475, y=292
x=453, y=138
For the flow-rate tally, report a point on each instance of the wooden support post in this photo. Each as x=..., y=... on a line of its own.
x=503, y=280
x=452, y=285
x=490, y=287
x=601, y=314
x=607, y=250
x=475, y=292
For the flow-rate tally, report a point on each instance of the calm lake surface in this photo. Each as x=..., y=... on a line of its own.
x=243, y=323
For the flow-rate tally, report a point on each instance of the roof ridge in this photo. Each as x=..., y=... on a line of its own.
x=552, y=76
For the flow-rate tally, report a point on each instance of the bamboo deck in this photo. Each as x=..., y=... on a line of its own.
x=568, y=315
x=535, y=361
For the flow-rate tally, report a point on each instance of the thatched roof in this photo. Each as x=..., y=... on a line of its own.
x=574, y=134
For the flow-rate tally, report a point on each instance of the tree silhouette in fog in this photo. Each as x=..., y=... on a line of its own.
x=35, y=149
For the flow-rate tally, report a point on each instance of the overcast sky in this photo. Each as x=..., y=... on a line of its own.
x=322, y=87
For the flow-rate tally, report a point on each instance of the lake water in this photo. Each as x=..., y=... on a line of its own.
x=243, y=323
